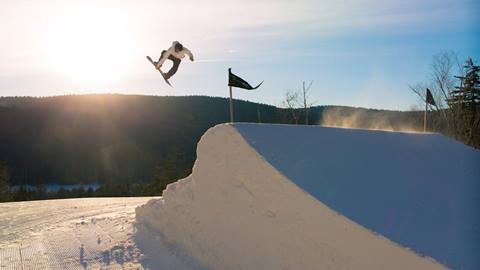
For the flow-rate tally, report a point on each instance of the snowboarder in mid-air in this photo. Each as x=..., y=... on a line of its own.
x=175, y=53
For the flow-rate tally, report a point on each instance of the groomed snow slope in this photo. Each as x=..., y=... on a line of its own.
x=309, y=197
x=88, y=233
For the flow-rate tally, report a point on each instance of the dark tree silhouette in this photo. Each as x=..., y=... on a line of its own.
x=465, y=100
x=5, y=194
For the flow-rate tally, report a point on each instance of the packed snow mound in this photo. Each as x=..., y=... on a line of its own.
x=310, y=197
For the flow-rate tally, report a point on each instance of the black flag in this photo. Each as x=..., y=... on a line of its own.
x=430, y=99
x=235, y=81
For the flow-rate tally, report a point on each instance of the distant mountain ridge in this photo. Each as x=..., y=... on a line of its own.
x=112, y=138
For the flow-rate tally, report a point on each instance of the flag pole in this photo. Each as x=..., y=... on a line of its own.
x=235, y=81
x=231, y=106
x=425, y=114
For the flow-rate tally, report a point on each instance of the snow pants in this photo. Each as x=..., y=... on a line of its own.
x=174, y=68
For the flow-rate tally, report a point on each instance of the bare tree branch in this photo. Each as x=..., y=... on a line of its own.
x=297, y=101
x=306, y=106
x=291, y=102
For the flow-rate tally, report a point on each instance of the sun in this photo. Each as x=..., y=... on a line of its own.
x=89, y=47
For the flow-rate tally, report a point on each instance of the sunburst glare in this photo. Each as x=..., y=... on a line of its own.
x=89, y=47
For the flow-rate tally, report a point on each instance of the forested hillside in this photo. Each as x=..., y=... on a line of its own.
x=103, y=138
x=113, y=138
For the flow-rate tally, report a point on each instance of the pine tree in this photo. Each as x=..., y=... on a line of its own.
x=465, y=100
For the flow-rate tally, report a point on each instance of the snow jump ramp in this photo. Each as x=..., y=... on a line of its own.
x=311, y=197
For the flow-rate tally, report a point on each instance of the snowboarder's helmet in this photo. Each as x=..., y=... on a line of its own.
x=178, y=47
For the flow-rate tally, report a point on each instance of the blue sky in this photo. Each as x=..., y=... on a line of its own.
x=358, y=53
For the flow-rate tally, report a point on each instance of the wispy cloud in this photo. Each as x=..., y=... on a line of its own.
x=217, y=60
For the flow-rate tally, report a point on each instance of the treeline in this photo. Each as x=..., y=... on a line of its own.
x=40, y=192
x=164, y=174
x=108, y=138
x=133, y=145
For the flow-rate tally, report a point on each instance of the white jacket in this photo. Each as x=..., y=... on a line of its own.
x=171, y=51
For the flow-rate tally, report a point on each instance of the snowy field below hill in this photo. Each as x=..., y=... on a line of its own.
x=93, y=233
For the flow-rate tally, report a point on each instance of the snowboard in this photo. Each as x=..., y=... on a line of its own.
x=161, y=72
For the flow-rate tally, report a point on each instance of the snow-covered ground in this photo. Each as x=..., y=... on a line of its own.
x=94, y=233
x=273, y=197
